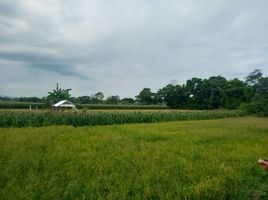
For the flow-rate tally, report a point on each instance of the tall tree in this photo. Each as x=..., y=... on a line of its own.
x=114, y=99
x=127, y=101
x=97, y=98
x=193, y=91
x=57, y=94
x=175, y=96
x=146, y=97
x=237, y=92
x=254, y=77
x=259, y=85
x=261, y=96
x=212, y=92
x=84, y=99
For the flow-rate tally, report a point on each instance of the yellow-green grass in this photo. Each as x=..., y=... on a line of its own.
x=215, y=159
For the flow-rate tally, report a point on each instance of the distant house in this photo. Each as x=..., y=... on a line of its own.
x=64, y=104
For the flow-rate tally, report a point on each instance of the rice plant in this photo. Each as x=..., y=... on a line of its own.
x=188, y=160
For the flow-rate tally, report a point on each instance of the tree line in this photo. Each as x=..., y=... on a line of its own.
x=215, y=92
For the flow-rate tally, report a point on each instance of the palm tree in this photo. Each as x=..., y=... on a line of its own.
x=57, y=94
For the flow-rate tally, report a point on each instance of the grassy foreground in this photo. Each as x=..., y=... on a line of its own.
x=213, y=159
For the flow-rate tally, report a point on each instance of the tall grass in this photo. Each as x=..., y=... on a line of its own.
x=36, y=119
x=193, y=160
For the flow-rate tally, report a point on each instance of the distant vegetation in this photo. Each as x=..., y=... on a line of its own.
x=120, y=107
x=21, y=105
x=215, y=92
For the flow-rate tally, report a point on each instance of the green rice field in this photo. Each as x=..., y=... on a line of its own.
x=205, y=159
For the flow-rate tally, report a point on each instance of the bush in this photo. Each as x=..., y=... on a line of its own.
x=249, y=108
x=265, y=111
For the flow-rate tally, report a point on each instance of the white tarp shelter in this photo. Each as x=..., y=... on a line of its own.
x=64, y=104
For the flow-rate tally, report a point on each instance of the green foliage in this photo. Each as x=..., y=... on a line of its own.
x=20, y=99
x=217, y=92
x=81, y=99
x=248, y=108
x=57, y=95
x=212, y=93
x=235, y=96
x=125, y=101
x=113, y=100
x=260, y=88
x=146, y=97
x=254, y=77
x=194, y=160
x=21, y=105
x=24, y=118
x=97, y=98
x=120, y=107
x=174, y=96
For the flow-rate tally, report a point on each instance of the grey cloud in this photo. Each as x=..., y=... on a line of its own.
x=43, y=62
x=120, y=46
x=9, y=8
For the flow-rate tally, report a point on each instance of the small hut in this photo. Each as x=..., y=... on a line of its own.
x=63, y=105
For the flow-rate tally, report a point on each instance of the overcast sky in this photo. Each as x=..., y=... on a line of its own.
x=121, y=46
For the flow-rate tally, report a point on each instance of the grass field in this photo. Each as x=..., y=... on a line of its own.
x=213, y=159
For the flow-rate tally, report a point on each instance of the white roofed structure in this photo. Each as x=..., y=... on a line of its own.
x=64, y=104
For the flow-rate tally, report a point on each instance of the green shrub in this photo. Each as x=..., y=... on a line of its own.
x=249, y=108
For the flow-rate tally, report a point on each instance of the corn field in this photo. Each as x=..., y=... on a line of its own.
x=90, y=118
x=34, y=105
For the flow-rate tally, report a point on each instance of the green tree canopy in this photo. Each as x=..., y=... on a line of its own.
x=146, y=97
x=115, y=99
x=97, y=98
x=127, y=101
x=57, y=95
